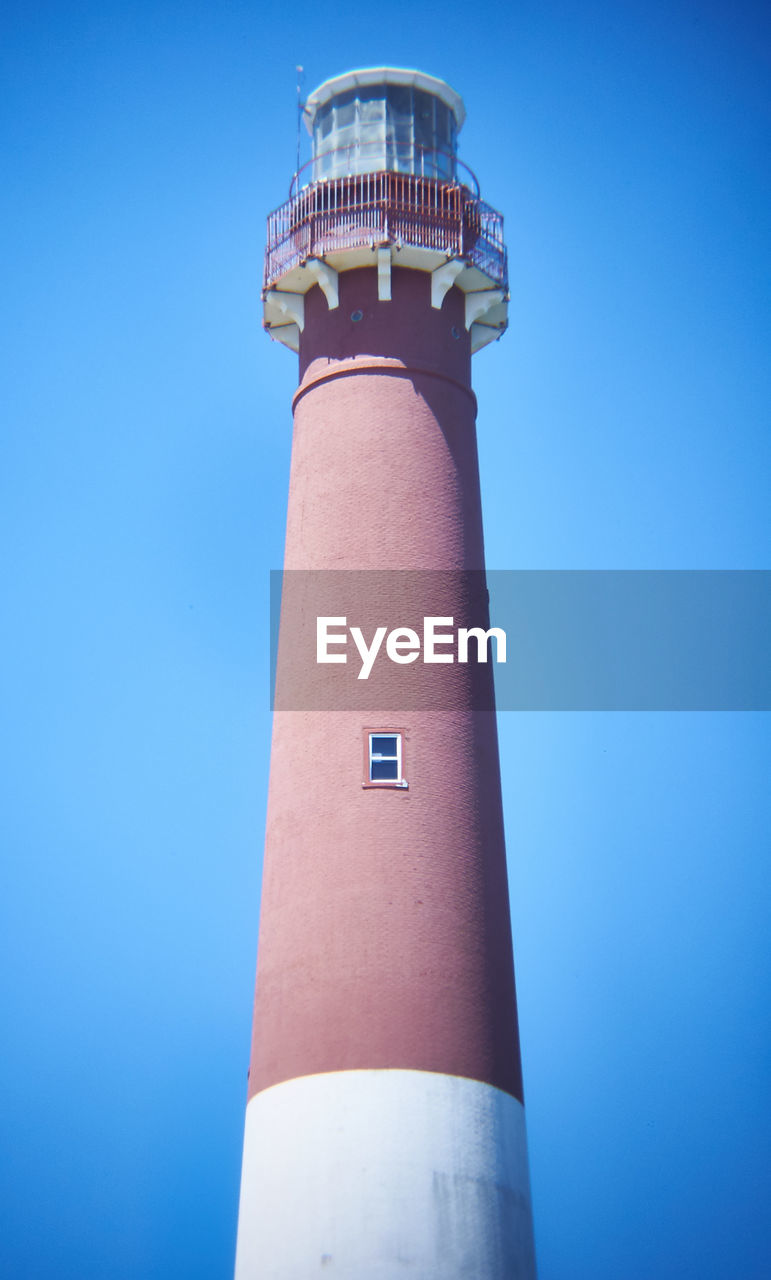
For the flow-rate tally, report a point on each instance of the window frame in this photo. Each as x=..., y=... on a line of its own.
x=398, y=783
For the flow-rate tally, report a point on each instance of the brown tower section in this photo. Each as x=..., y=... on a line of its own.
x=385, y=937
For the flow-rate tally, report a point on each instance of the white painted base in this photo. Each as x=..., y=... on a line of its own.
x=374, y=1175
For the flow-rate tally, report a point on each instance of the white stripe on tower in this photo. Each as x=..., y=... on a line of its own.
x=366, y=1175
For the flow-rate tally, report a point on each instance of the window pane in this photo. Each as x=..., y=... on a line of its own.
x=424, y=119
x=383, y=744
x=400, y=99
x=345, y=136
x=345, y=112
x=442, y=124
x=372, y=139
x=443, y=166
x=384, y=771
x=373, y=109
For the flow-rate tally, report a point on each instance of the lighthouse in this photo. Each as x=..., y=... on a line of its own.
x=385, y=1131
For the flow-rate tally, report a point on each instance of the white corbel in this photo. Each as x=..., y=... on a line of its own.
x=288, y=334
x=442, y=281
x=480, y=302
x=326, y=278
x=384, y=275
x=289, y=304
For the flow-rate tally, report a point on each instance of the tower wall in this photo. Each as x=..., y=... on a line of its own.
x=385, y=937
x=385, y=1130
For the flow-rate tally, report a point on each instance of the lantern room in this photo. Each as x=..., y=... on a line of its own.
x=384, y=188
x=384, y=118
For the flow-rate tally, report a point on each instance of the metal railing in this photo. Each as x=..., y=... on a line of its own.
x=371, y=209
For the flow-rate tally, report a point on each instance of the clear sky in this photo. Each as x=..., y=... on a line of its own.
x=145, y=444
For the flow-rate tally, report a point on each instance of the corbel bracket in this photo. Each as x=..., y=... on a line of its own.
x=442, y=281
x=480, y=302
x=384, y=275
x=289, y=304
x=326, y=278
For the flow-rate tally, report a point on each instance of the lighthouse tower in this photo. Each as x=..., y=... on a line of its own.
x=385, y=1130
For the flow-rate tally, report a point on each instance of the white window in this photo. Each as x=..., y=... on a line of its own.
x=385, y=759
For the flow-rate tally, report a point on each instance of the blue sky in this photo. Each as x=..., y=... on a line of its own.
x=145, y=448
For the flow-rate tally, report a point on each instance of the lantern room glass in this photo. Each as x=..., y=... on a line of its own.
x=384, y=126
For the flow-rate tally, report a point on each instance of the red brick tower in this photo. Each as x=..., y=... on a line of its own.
x=385, y=1125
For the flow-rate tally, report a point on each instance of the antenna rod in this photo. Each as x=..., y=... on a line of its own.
x=299, y=71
